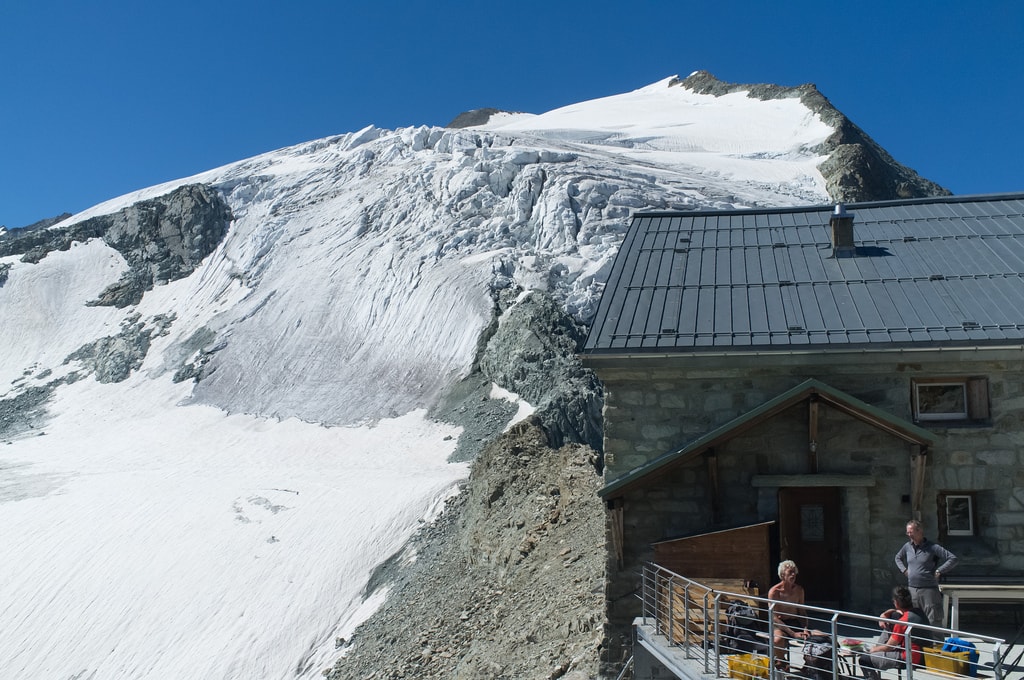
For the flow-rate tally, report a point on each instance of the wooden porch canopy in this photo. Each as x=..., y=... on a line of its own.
x=814, y=392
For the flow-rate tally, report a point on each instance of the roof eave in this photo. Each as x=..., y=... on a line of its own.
x=597, y=357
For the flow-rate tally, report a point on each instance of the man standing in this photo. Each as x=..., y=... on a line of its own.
x=924, y=563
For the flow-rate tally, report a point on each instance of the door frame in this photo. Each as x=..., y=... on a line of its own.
x=811, y=534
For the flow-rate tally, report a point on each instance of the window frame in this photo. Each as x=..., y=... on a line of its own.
x=940, y=415
x=975, y=396
x=948, y=501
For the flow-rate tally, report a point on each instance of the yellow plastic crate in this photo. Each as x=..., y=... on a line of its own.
x=746, y=666
x=957, y=663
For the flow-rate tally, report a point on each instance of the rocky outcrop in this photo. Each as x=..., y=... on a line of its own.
x=857, y=168
x=531, y=348
x=508, y=583
x=533, y=352
x=474, y=117
x=24, y=411
x=41, y=224
x=162, y=239
x=112, y=359
x=34, y=244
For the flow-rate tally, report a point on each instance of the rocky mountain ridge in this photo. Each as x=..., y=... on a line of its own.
x=508, y=583
x=857, y=168
x=162, y=239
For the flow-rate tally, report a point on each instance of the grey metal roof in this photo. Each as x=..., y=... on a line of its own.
x=941, y=272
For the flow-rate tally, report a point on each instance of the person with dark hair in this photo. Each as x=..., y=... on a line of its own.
x=924, y=563
x=889, y=651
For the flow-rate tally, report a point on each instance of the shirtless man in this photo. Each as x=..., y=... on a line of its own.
x=789, y=620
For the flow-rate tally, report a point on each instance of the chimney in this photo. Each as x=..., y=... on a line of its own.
x=842, y=232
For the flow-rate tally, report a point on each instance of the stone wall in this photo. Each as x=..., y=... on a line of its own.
x=657, y=406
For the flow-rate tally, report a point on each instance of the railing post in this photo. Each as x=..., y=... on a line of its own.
x=705, y=643
x=997, y=661
x=663, y=603
x=835, y=645
x=644, y=604
x=650, y=595
x=718, y=637
x=671, y=594
x=686, y=619
x=908, y=650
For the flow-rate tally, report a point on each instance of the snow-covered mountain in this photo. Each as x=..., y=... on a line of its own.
x=217, y=395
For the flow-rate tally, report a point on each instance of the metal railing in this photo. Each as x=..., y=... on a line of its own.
x=692, y=617
x=626, y=668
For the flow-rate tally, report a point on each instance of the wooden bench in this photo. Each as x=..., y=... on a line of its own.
x=687, y=606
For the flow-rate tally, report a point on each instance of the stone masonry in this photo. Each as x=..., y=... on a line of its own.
x=656, y=406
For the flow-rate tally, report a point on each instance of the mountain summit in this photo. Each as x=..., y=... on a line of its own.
x=709, y=124
x=226, y=400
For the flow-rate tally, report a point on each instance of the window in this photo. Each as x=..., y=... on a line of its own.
x=957, y=513
x=950, y=399
x=812, y=523
x=941, y=401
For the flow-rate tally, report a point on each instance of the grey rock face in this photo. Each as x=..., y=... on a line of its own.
x=469, y=406
x=163, y=239
x=24, y=411
x=531, y=349
x=471, y=118
x=113, y=358
x=857, y=169
x=194, y=355
x=33, y=245
x=533, y=352
x=41, y=224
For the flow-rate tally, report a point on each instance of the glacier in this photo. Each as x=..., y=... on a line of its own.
x=225, y=527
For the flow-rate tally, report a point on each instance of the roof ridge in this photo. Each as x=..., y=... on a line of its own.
x=966, y=198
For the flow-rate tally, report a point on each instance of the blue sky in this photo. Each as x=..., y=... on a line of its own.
x=102, y=98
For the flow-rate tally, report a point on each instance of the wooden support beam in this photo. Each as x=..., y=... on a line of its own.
x=615, y=519
x=918, y=459
x=812, y=436
x=711, y=459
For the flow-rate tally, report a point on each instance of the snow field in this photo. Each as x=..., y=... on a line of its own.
x=182, y=542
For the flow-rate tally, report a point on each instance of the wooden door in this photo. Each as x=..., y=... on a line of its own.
x=810, y=534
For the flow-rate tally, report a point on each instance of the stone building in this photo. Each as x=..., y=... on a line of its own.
x=826, y=372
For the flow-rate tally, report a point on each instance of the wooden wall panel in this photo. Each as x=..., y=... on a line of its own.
x=742, y=553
